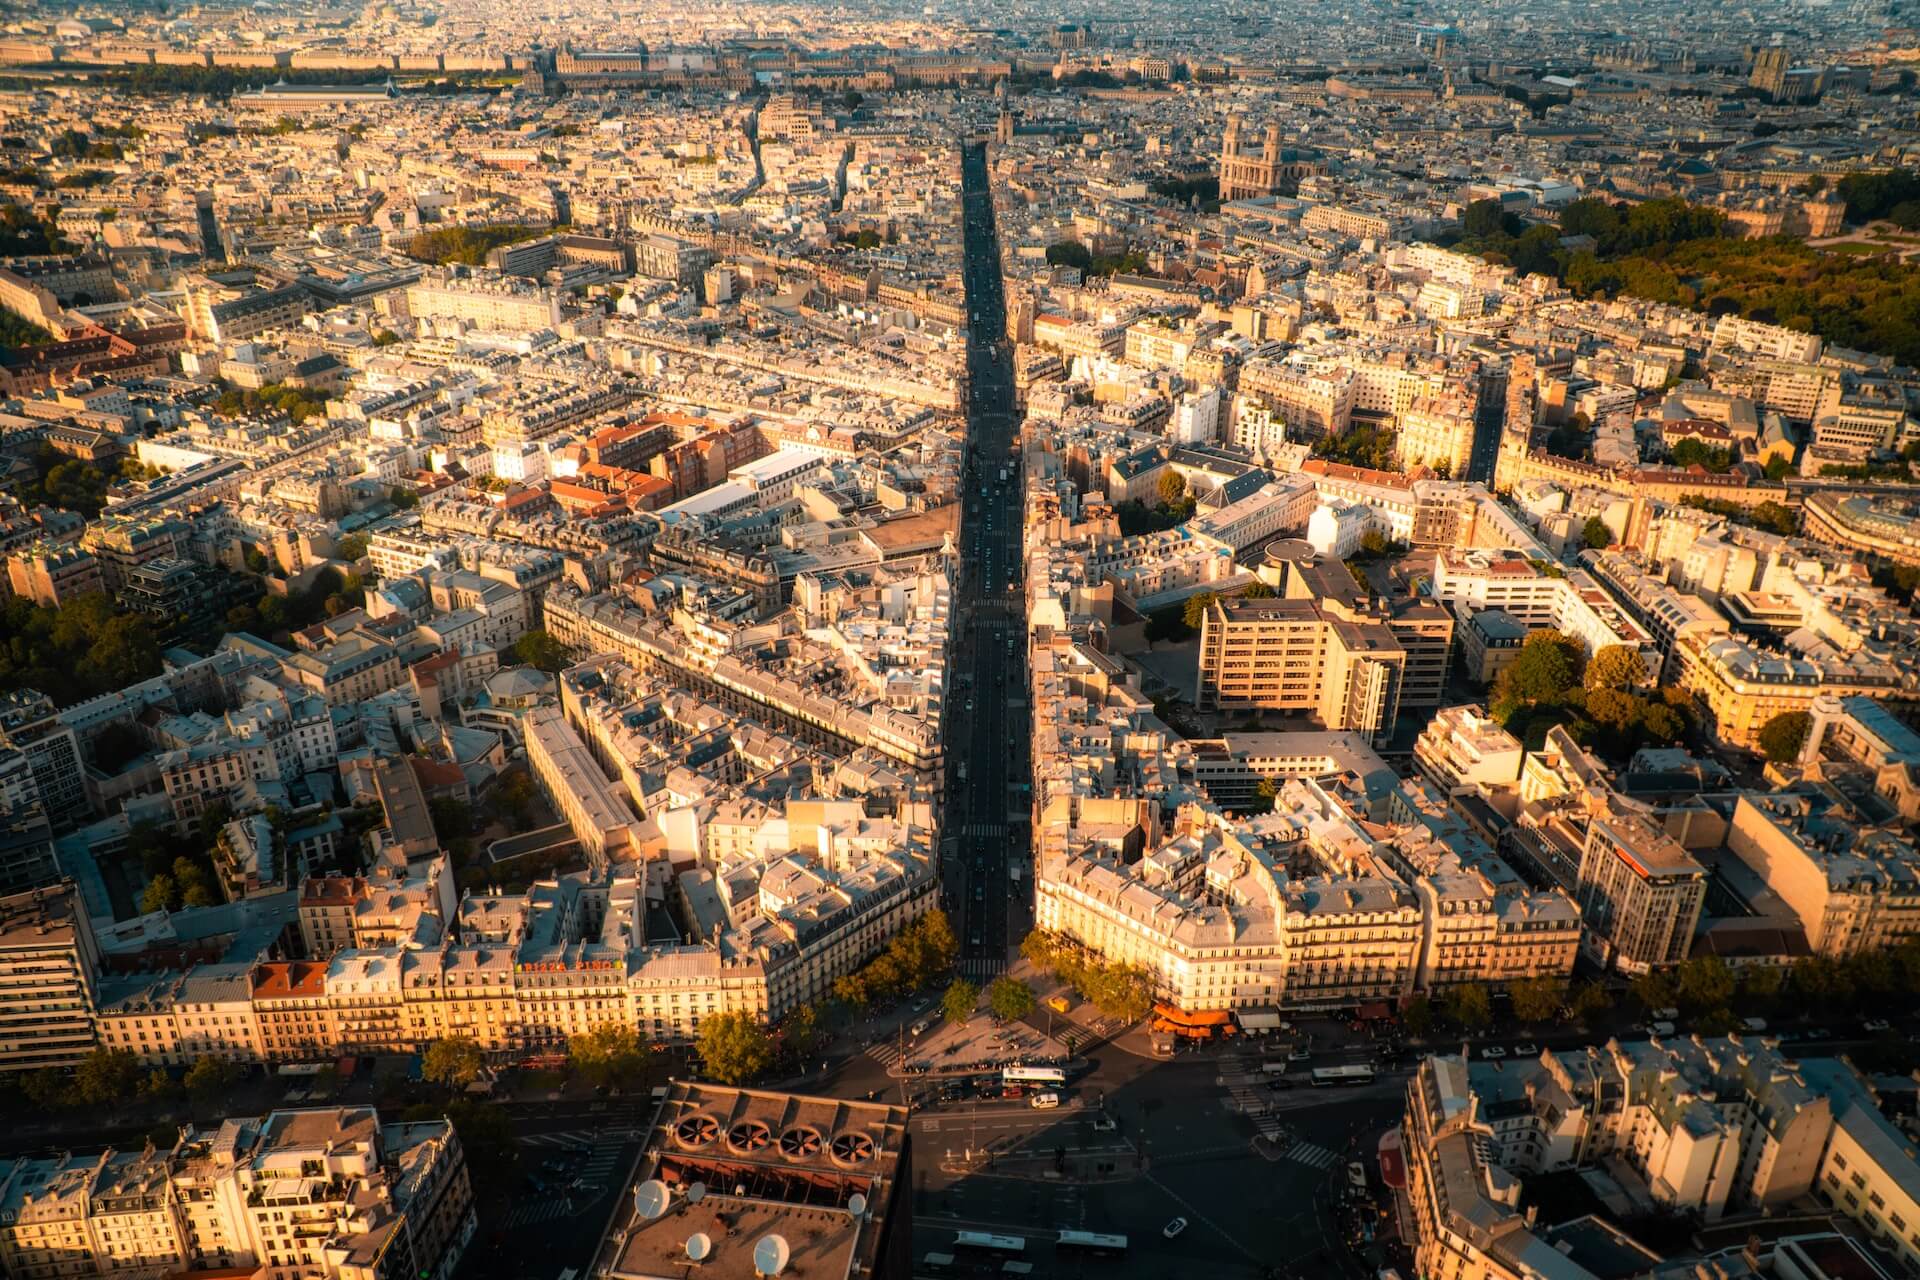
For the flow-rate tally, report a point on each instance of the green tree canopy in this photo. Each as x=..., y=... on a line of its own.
x=1535, y=999
x=734, y=1047
x=161, y=894
x=453, y=1061
x=1705, y=982
x=210, y=1078
x=1009, y=998
x=959, y=1001
x=609, y=1054
x=1194, y=612
x=1596, y=534
x=1547, y=667
x=1418, y=1015
x=1653, y=990
x=538, y=649
x=1173, y=487
x=1618, y=667
x=1469, y=1006
x=1588, y=1000
x=1069, y=253
x=1782, y=737
x=107, y=1076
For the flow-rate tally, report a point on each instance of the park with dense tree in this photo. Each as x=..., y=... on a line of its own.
x=1674, y=252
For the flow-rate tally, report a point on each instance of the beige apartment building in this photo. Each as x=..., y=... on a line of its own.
x=1852, y=890
x=1312, y=403
x=1437, y=434
x=1712, y=1127
x=1738, y=688
x=51, y=573
x=573, y=781
x=1464, y=749
x=295, y=1195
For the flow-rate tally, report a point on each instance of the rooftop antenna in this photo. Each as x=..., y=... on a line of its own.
x=696, y=1192
x=699, y=1246
x=857, y=1205
x=651, y=1198
x=770, y=1255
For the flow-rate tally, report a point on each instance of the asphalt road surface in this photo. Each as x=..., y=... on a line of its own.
x=988, y=869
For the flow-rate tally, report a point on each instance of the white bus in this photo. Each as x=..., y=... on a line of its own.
x=1033, y=1075
x=983, y=1242
x=1089, y=1242
x=1357, y=1074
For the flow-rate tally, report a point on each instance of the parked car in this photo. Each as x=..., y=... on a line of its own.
x=1526, y=1050
x=1874, y=1026
x=1174, y=1228
x=1494, y=1051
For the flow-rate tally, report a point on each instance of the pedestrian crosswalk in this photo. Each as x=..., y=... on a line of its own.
x=984, y=829
x=602, y=1160
x=543, y=1209
x=1311, y=1155
x=569, y=1138
x=981, y=967
x=886, y=1053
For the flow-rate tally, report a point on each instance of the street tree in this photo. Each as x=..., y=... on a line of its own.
x=107, y=1076
x=1761, y=981
x=734, y=1047
x=1535, y=999
x=1122, y=992
x=1705, y=982
x=801, y=1032
x=608, y=1054
x=208, y=1078
x=1010, y=998
x=1469, y=1006
x=957, y=1004
x=453, y=1061
x=1418, y=1015
x=1653, y=990
x=1589, y=999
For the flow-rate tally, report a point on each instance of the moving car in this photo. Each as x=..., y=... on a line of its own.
x=1174, y=1228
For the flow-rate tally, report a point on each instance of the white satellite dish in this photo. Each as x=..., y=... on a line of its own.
x=699, y=1246
x=696, y=1192
x=857, y=1205
x=651, y=1198
x=770, y=1255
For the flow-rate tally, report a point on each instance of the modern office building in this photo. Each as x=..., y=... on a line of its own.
x=48, y=963
x=1640, y=893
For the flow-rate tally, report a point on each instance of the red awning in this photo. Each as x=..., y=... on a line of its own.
x=1374, y=1012
x=1393, y=1160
